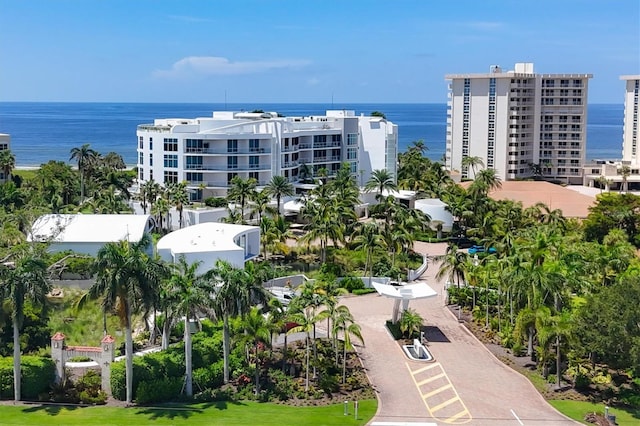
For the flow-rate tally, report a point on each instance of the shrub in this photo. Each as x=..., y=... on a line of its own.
x=89, y=388
x=216, y=202
x=361, y=291
x=159, y=390
x=351, y=284
x=38, y=374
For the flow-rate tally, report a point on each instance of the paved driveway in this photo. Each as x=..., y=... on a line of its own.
x=465, y=384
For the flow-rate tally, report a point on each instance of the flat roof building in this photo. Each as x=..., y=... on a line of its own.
x=209, y=242
x=88, y=233
x=518, y=123
x=208, y=152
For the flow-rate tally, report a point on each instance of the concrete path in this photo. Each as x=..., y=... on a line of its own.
x=465, y=384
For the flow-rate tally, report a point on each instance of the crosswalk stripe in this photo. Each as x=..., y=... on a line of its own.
x=434, y=392
x=430, y=379
x=444, y=404
x=428, y=367
x=457, y=416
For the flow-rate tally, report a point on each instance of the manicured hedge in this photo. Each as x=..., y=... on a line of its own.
x=38, y=373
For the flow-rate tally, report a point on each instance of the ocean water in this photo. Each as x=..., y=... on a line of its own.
x=43, y=131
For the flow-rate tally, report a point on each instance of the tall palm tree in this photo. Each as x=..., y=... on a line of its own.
x=260, y=205
x=126, y=282
x=179, y=197
x=235, y=292
x=193, y=295
x=306, y=320
x=85, y=157
x=241, y=191
x=625, y=172
x=368, y=239
x=7, y=163
x=258, y=332
x=472, y=162
x=22, y=279
x=279, y=186
x=380, y=181
x=345, y=325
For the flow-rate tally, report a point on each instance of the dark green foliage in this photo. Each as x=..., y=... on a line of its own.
x=216, y=202
x=38, y=374
x=34, y=335
x=160, y=390
x=89, y=389
x=351, y=284
x=361, y=291
x=614, y=211
x=607, y=325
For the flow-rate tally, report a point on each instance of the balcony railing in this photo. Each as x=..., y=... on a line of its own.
x=230, y=168
x=227, y=151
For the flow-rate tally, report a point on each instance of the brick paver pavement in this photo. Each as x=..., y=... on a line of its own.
x=465, y=385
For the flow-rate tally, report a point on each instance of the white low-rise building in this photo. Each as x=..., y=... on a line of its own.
x=209, y=242
x=437, y=211
x=88, y=233
x=208, y=152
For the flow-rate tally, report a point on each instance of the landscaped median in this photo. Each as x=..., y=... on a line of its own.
x=215, y=413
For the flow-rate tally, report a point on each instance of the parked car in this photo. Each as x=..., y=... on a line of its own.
x=481, y=249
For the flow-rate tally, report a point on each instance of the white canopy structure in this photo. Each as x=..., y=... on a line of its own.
x=403, y=294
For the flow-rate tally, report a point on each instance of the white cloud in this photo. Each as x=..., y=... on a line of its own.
x=216, y=65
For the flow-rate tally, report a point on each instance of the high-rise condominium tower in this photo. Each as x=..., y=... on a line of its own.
x=518, y=122
x=630, y=133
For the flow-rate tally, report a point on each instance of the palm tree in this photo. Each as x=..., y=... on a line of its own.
x=241, y=191
x=452, y=265
x=85, y=158
x=193, y=294
x=625, y=172
x=380, y=181
x=306, y=320
x=487, y=180
x=126, y=281
x=279, y=186
x=368, y=239
x=260, y=205
x=236, y=290
x=258, y=331
x=179, y=196
x=343, y=323
x=410, y=323
x=7, y=163
x=22, y=279
x=472, y=162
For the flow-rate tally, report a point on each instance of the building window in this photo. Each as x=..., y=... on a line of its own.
x=352, y=139
x=140, y=143
x=140, y=158
x=151, y=159
x=319, y=138
x=336, y=138
x=232, y=163
x=194, y=163
x=232, y=145
x=141, y=173
x=254, y=145
x=171, y=160
x=170, y=177
x=194, y=177
x=254, y=162
x=171, y=144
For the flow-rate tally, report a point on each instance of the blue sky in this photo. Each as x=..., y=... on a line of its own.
x=302, y=50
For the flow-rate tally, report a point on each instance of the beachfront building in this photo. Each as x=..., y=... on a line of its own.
x=5, y=145
x=624, y=174
x=519, y=123
x=208, y=152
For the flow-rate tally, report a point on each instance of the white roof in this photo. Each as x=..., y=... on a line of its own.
x=89, y=228
x=408, y=291
x=204, y=237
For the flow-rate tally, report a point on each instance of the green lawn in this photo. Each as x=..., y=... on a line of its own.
x=216, y=413
x=578, y=409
